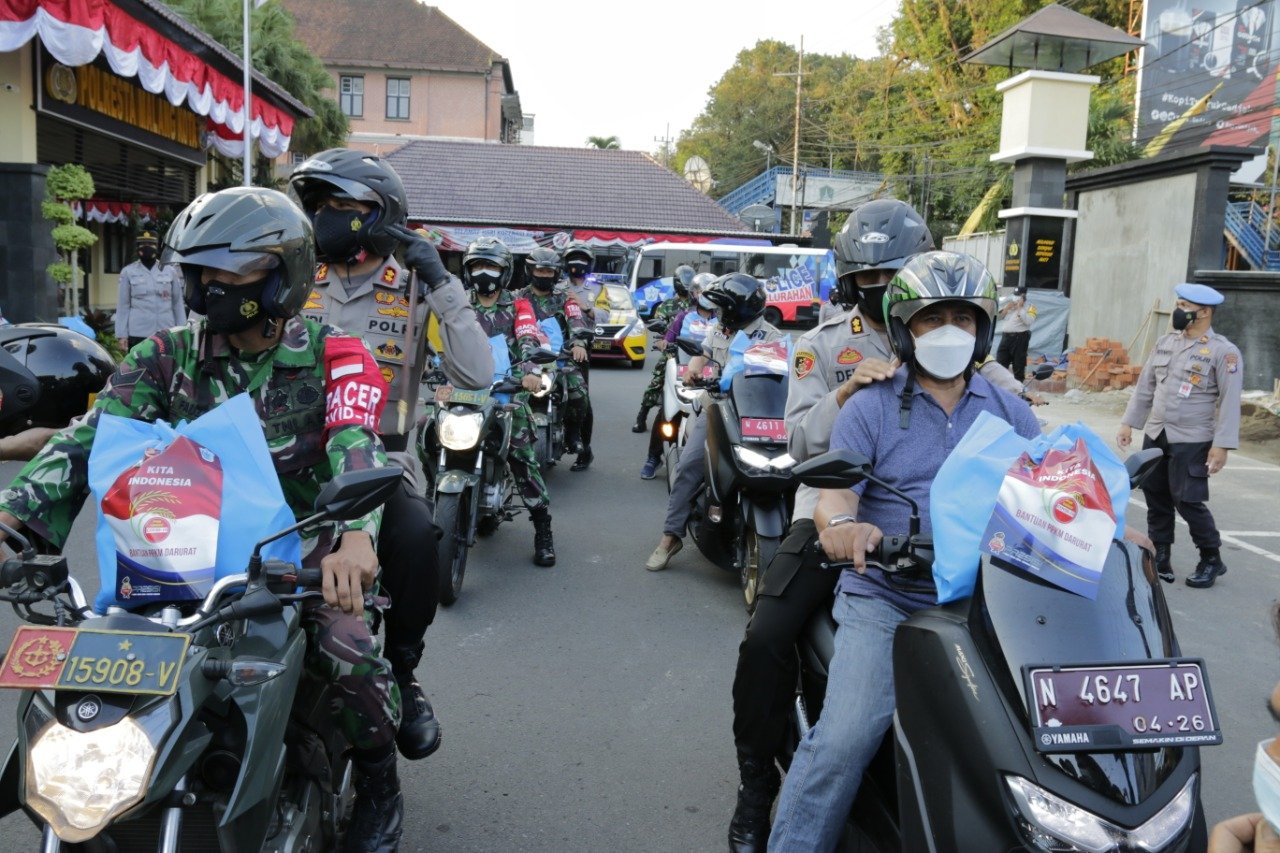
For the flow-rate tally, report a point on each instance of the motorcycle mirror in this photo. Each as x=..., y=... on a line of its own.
x=353, y=494
x=656, y=326
x=835, y=469
x=1141, y=464
x=692, y=346
x=1043, y=371
x=544, y=355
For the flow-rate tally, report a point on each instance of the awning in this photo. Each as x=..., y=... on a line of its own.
x=118, y=212
x=75, y=32
x=456, y=238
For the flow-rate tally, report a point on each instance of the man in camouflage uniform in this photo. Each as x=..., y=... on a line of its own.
x=358, y=206
x=252, y=341
x=542, y=270
x=678, y=304
x=486, y=270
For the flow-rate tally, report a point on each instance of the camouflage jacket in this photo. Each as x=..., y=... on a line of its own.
x=165, y=378
x=500, y=319
x=671, y=307
x=558, y=304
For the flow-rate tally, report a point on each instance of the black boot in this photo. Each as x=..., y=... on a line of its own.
x=749, y=829
x=641, y=420
x=419, y=733
x=1207, y=570
x=544, y=549
x=583, y=462
x=1164, y=568
x=377, y=818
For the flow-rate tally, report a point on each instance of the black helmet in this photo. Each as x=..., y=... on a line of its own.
x=738, y=297
x=682, y=278
x=243, y=229
x=48, y=375
x=879, y=235
x=939, y=277
x=579, y=258
x=346, y=173
x=494, y=251
x=542, y=258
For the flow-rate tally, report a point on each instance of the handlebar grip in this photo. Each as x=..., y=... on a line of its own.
x=310, y=577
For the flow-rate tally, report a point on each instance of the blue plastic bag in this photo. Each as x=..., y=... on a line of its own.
x=737, y=362
x=159, y=513
x=555, y=335
x=963, y=495
x=501, y=362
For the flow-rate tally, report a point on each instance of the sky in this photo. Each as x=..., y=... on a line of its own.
x=635, y=69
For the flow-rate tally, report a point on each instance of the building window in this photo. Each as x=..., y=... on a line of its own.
x=398, y=97
x=351, y=96
x=117, y=244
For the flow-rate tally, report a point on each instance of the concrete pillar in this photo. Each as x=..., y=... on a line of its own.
x=17, y=106
x=26, y=245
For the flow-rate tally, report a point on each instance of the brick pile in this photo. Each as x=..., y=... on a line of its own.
x=1101, y=364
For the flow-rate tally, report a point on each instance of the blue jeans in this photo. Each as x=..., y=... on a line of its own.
x=858, y=710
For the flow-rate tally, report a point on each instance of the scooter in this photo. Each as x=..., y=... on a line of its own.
x=742, y=512
x=681, y=403
x=1028, y=717
x=177, y=728
x=474, y=487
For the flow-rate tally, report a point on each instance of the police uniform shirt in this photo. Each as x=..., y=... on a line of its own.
x=375, y=306
x=584, y=294
x=1190, y=388
x=149, y=300
x=716, y=345
x=1019, y=319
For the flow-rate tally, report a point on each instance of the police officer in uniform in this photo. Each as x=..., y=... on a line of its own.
x=150, y=297
x=358, y=206
x=579, y=260
x=1017, y=316
x=1188, y=399
x=848, y=350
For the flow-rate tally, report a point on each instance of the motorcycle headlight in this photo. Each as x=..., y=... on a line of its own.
x=547, y=384
x=756, y=459
x=460, y=432
x=1050, y=823
x=78, y=782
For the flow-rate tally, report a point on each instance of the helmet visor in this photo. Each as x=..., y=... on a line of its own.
x=312, y=188
x=223, y=258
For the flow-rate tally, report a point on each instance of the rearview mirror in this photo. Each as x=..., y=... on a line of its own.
x=693, y=346
x=544, y=355
x=1043, y=371
x=353, y=494
x=835, y=469
x=1141, y=464
x=656, y=326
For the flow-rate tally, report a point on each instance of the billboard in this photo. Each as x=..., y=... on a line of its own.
x=1223, y=49
x=823, y=192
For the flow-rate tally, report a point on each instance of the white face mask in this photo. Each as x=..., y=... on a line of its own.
x=945, y=353
x=1266, y=785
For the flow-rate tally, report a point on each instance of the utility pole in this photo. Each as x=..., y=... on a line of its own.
x=795, y=145
x=666, y=146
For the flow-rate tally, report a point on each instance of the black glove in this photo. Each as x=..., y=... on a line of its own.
x=420, y=255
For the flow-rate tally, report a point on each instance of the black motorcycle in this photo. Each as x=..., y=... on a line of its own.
x=549, y=405
x=1028, y=717
x=741, y=513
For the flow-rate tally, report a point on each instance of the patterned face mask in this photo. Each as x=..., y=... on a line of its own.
x=338, y=233
x=233, y=308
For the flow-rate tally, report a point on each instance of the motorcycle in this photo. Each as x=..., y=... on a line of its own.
x=175, y=728
x=681, y=403
x=549, y=405
x=474, y=487
x=989, y=749
x=741, y=513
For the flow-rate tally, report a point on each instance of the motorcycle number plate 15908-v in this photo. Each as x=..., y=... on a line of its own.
x=137, y=662
x=1112, y=707
x=763, y=429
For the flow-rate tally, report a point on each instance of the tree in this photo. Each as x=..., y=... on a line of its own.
x=65, y=185
x=605, y=142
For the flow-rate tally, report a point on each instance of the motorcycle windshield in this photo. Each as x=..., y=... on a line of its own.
x=759, y=396
x=1037, y=624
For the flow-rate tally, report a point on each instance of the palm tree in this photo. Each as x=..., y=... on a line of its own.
x=605, y=142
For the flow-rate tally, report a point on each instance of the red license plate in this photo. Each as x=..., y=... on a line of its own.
x=764, y=429
x=1110, y=707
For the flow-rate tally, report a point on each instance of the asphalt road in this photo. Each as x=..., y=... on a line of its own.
x=586, y=707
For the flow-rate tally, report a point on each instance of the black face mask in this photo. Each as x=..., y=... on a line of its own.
x=338, y=233
x=486, y=282
x=542, y=284
x=871, y=302
x=147, y=255
x=1181, y=319
x=233, y=308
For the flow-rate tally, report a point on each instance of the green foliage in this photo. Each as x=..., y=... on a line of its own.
x=71, y=182
x=606, y=142
x=59, y=271
x=104, y=330
x=57, y=212
x=281, y=57
x=73, y=238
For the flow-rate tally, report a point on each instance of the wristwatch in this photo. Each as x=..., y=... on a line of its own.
x=842, y=519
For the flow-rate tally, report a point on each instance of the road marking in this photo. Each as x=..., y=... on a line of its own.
x=1230, y=537
x=1249, y=533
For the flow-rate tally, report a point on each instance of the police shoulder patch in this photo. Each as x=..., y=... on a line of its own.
x=388, y=274
x=1233, y=363
x=803, y=363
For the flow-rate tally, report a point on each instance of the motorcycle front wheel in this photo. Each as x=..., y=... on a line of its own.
x=756, y=553
x=453, y=517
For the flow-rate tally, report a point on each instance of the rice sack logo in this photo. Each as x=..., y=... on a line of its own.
x=1064, y=509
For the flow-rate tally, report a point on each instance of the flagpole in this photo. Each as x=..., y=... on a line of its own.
x=248, y=97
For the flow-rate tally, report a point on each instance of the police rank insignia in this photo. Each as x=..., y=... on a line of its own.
x=322, y=272
x=803, y=364
x=848, y=355
x=388, y=374
x=384, y=297
x=390, y=350
x=313, y=302
x=389, y=275
x=855, y=324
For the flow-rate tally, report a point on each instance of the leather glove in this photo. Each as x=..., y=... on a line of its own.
x=420, y=255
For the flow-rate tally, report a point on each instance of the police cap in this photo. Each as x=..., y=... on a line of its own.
x=1200, y=294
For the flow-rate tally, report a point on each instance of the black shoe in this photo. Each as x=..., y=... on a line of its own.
x=584, y=460
x=749, y=828
x=419, y=733
x=1207, y=570
x=640, y=425
x=544, y=549
x=1164, y=568
x=377, y=818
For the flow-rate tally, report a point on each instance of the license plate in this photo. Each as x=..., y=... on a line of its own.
x=1108, y=707
x=99, y=660
x=469, y=397
x=764, y=429
x=602, y=345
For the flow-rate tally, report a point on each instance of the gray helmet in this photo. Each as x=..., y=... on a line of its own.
x=700, y=283
x=243, y=229
x=579, y=258
x=347, y=173
x=935, y=277
x=879, y=235
x=682, y=278
x=495, y=252
x=542, y=258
